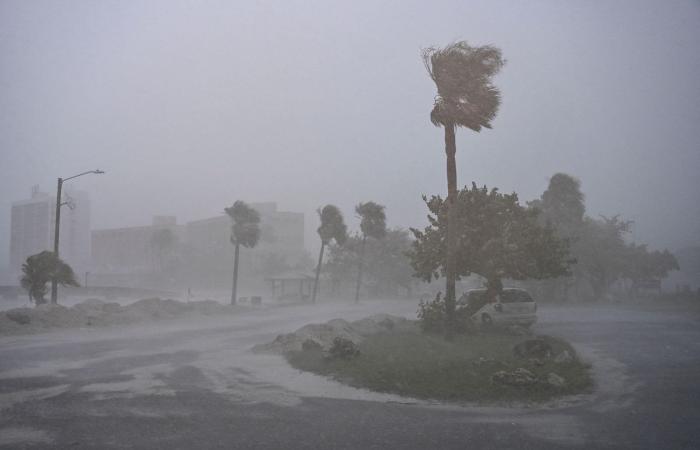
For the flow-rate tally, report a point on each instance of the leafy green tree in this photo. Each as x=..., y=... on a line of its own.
x=42, y=268
x=599, y=245
x=372, y=224
x=644, y=265
x=562, y=206
x=466, y=98
x=497, y=238
x=245, y=231
x=387, y=268
x=601, y=252
x=332, y=228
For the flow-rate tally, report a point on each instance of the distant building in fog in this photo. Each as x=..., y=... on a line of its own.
x=32, y=228
x=203, y=246
x=129, y=249
x=282, y=233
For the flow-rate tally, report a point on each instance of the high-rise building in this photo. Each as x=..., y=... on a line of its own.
x=32, y=228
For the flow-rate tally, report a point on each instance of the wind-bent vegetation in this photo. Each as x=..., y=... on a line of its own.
x=42, y=268
x=373, y=225
x=601, y=247
x=466, y=98
x=332, y=228
x=387, y=272
x=245, y=231
x=498, y=238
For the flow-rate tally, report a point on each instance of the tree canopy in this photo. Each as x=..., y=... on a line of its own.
x=562, y=204
x=332, y=225
x=42, y=268
x=246, y=224
x=465, y=95
x=600, y=245
x=497, y=238
x=388, y=268
x=372, y=219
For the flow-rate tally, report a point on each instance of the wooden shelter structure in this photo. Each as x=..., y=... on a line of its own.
x=291, y=286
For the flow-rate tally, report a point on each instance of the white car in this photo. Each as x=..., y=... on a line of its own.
x=511, y=307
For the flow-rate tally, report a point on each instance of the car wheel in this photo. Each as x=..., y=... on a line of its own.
x=486, y=320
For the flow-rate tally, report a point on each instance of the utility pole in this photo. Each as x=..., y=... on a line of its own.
x=56, y=229
x=57, y=226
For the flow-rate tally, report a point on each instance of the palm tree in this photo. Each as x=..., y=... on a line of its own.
x=372, y=224
x=41, y=268
x=332, y=227
x=465, y=98
x=245, y=231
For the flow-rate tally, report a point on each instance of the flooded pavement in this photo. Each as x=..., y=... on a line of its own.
x=180, y=384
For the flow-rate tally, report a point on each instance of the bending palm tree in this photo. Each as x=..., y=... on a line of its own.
x=465, y=98
x=245, y=231
x=41, y=268
x=372, y=224
x=332, y=227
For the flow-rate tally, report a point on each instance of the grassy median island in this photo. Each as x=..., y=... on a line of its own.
x=479, y=368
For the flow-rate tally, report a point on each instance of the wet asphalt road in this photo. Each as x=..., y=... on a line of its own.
x=182, y=385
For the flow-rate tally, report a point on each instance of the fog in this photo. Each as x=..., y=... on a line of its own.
x=245, y=122
x=188, y=107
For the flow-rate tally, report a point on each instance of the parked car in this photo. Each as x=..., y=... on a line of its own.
x=511, y=307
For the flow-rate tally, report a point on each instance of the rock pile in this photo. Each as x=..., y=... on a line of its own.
x=323, y=334
x=522, y=377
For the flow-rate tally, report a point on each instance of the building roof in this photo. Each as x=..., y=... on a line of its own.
x=291, y=275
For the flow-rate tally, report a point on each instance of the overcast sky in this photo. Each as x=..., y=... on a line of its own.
x=189, y=106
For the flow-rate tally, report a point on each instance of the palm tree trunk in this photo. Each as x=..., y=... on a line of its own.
x=235, y=276
x=318, y=272
x=450, y=265
x=359, y=269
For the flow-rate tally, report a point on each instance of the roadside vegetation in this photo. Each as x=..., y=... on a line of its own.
x=42, y=268
x=480, y=368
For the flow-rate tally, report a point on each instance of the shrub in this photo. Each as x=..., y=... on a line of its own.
x=343, y=349
x=310, y=345
x=19, y=316
x=431, y=316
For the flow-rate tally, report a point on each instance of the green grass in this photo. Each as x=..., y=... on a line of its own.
x=424, y=366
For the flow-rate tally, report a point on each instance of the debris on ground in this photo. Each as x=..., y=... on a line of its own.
x=533, y=348
x=519, y=377
x=555, y=380
x=325, y=333
x=95, y=312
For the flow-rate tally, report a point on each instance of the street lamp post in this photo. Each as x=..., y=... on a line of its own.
x=57, y=226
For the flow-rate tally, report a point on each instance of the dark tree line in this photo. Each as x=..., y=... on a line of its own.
x=600, y=245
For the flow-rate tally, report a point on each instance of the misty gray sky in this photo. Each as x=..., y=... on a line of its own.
x=189, y=106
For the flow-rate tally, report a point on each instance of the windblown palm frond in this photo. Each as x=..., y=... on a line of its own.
x=42, y=268
x=373, y=219
x=246, y=224
x=466, y=97
x=332, y=225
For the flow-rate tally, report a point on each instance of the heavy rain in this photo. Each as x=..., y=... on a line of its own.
x=349, y=225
